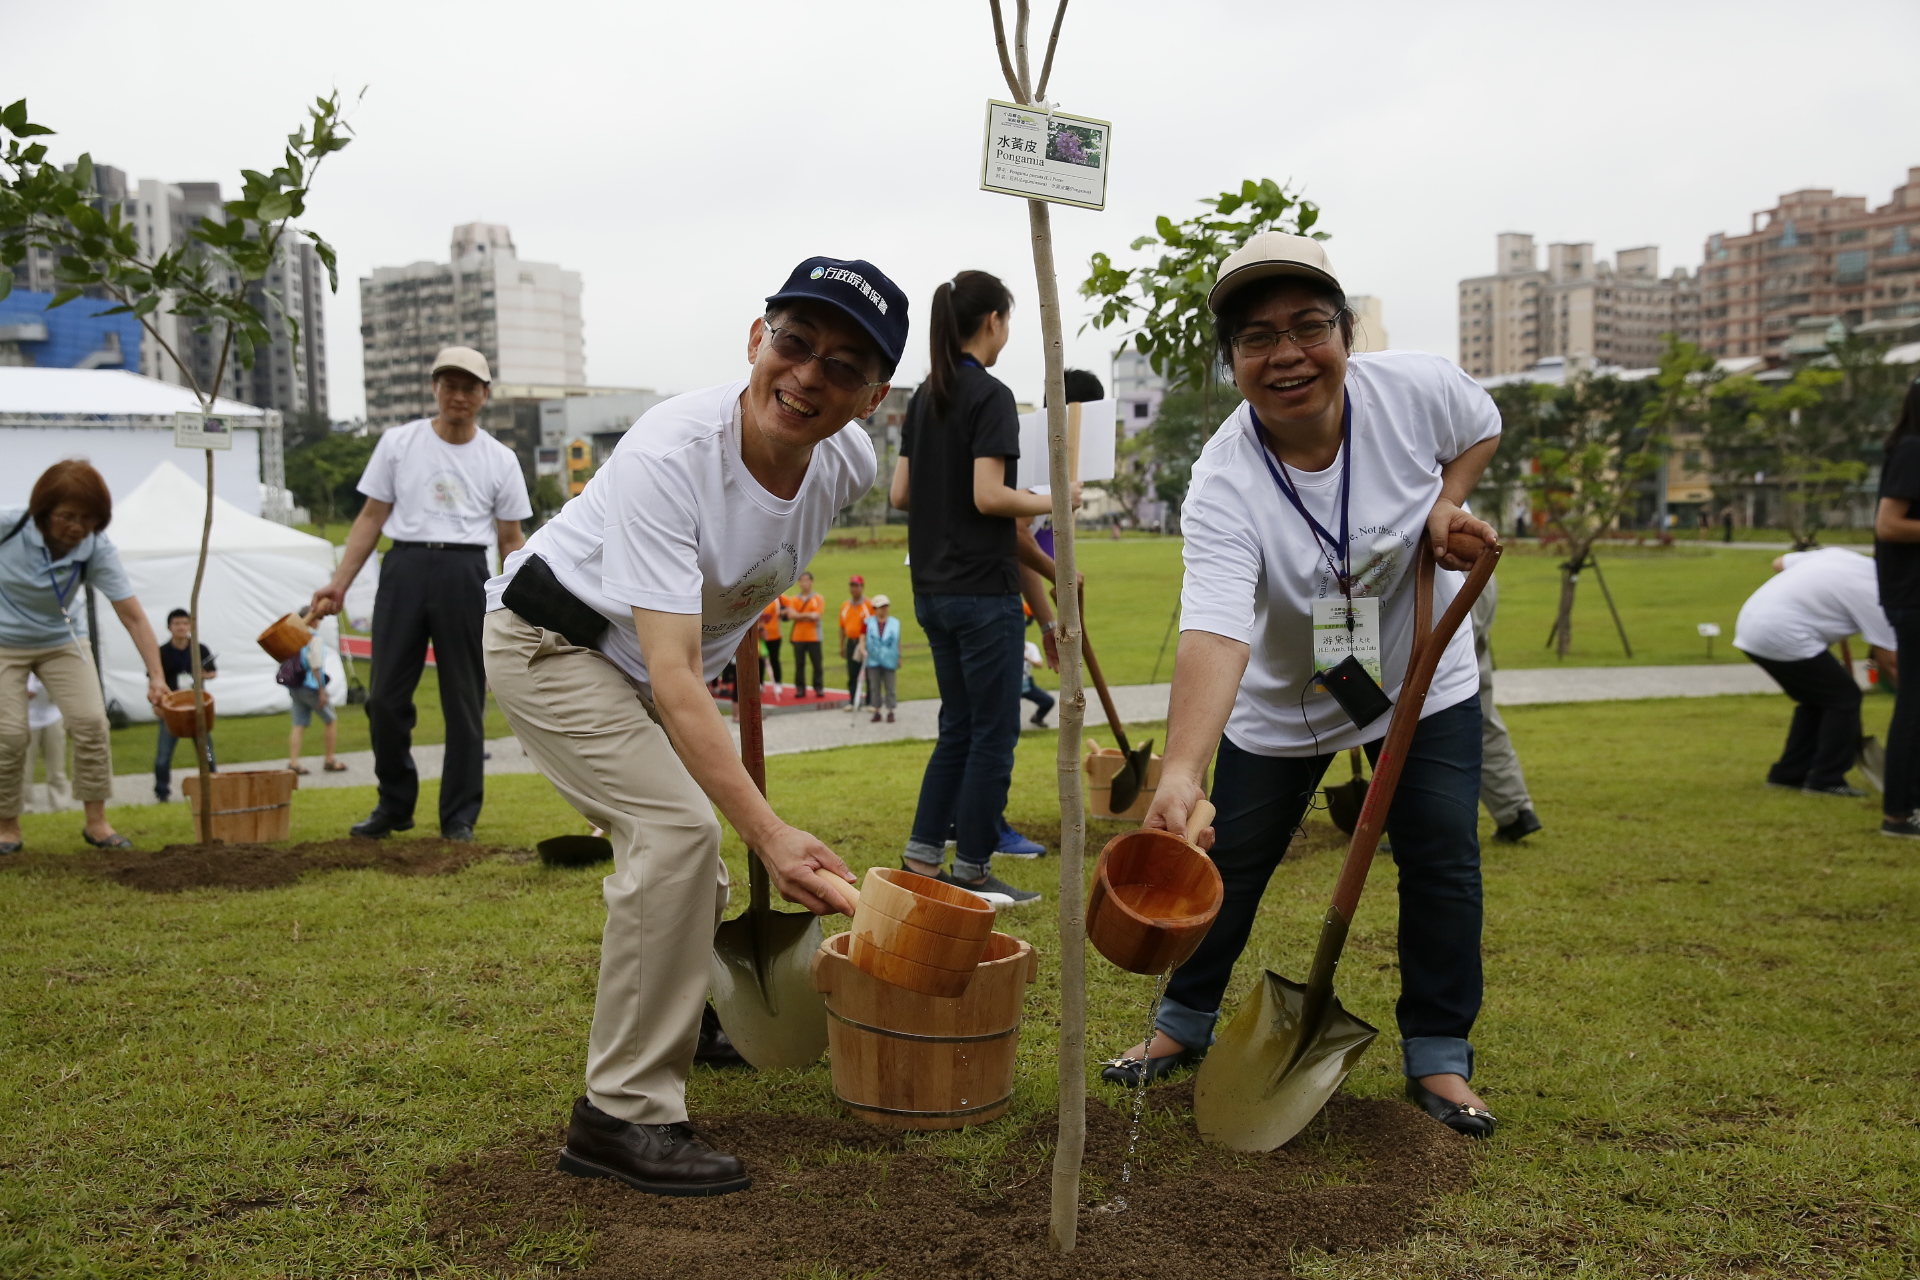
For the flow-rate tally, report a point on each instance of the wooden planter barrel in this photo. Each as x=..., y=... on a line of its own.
x=915, y=932
x=1101, y=764
x=287, y=636
x=176, y=709
x=910, y=1061
x=248, y=808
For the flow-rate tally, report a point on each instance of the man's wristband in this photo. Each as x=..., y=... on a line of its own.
x=1046, y=628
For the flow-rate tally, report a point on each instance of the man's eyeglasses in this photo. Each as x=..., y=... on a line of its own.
x=1260, y=342
x=796, y=351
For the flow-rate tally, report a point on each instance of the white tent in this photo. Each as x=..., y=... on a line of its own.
x=256, y=571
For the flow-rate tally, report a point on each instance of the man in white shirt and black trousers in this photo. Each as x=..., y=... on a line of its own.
x=442, y=489
x=602, y=635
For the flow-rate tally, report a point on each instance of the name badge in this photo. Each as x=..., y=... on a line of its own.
x=1334, y=640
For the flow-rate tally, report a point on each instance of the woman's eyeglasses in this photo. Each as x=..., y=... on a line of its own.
x=796, y=351
x=1260, y=342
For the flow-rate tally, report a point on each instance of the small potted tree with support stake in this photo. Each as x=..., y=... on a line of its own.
x=212, y=281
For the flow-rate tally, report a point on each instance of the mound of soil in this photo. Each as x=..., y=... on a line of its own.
x=265, y=866
x=868, y=1202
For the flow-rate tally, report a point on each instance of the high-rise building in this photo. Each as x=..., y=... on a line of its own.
x=523, y=316
x=1814, y=255
x=1585, y=310
x=1369, y=322
x=1136, y=390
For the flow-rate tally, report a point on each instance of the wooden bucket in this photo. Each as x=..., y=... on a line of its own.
x=286, y=637
x=1101, y=764
x=909, y=1062
x=915, y=932
x=176, y=709
x=251, y=807
x=1154, y=898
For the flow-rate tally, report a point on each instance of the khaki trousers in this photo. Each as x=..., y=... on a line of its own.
x=75, y=687
x=584, y=724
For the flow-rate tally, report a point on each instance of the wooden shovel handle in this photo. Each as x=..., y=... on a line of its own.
x=1100, y=682
x=1199, y=820
x=1428, y=648
x=753, y=749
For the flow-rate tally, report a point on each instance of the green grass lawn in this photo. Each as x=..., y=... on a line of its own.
x=1698, y=1031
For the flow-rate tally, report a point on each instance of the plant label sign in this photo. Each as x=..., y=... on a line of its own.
x=1040, y=156
x=202, y=431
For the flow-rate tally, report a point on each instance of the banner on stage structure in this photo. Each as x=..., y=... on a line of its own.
x=1045, y=155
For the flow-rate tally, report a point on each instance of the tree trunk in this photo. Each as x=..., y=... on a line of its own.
x=200, y=728
x=1569, y=583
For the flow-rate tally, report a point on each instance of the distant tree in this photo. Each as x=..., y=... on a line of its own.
x=309, y=426
x=1179, y=432
x=548, y=497
x=323, y=475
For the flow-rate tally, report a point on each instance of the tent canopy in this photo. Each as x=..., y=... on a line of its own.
x=108, y=393
x=256, y=571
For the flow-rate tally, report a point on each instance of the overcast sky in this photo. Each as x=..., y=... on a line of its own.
x=683, y=157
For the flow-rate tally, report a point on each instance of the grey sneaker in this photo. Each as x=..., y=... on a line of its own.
x=993, y=889
x=1840, y=792
x=1907, y=828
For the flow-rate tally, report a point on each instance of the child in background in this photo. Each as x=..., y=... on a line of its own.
x=310, y=698
x=46, y=740
x=880, y=651
x=1040, y=698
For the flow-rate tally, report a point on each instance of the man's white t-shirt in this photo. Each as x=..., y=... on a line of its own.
x=444, y=492
x=1254, y=568
x=674, y=522
x=1817, y=598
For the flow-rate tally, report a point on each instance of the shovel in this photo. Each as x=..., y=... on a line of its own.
x=761, y=986
x=1344, y=800
x=1134, y=773
x=1290, y=1046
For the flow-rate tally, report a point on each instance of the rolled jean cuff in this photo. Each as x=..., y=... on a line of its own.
x=927, y=851
x=1190, y=1027
x=1437, y=1055
x=970, y=870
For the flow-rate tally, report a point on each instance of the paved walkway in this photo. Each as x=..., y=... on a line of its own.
x=823, y=730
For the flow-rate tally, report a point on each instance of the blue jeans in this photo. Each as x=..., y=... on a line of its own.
x=977, y=644
x=163, y=762
x=1434, y=826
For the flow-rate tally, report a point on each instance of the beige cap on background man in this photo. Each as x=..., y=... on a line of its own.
x=1269, y=254
x=465, y=359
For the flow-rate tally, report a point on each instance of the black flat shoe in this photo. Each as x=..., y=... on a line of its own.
x=1524, y=824
x=1128, y=1071
x=378, y=826
x=1471, y=1122
x=114, y=841
x=715, y=1049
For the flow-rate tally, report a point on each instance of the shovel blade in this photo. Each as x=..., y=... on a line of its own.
x=1269, y=1074
x=762, y=990
x=1133, y=775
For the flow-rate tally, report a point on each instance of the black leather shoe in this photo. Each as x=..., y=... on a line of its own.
x=378, y=825
x=1524, y=824
x=1128, y=1071
x=664, y=1159
x=716, y=1050
x=1470, y=1121
x=458, y=832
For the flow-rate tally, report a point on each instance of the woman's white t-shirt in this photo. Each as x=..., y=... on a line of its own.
x=675, y=522
x=1820, y=597
x=1254, y=568
x=444, y=492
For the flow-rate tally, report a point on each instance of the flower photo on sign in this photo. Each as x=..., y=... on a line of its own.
x=1074, y=143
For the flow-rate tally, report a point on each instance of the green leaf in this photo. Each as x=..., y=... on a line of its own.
x=275, y=208
x=6, y=282
x=63, y=297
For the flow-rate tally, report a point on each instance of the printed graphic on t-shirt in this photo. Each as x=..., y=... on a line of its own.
x=446, y=492
x=728, y=607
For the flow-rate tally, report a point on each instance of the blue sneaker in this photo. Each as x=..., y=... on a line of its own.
x=1014, y=845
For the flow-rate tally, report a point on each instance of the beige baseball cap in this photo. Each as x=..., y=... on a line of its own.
x=1269, y=254
x=881, y=602
x=465, y=359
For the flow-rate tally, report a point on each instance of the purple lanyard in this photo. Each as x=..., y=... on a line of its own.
x=1341, y=572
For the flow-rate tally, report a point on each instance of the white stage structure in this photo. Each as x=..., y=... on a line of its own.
x=256, y=572
x=122, y=423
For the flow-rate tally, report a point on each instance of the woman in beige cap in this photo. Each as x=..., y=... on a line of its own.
x=1307, y=501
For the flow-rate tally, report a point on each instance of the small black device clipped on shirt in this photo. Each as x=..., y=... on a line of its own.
x=1356, y=692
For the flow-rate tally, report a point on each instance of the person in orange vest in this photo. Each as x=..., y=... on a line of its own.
x=853, y=625
x=804, y=609
x=770, y=636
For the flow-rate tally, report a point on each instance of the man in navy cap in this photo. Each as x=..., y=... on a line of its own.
x=601, y=636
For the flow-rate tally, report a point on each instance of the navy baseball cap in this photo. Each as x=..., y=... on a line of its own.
x=857, y=288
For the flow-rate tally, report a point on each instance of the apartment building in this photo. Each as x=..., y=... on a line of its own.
x=524, y=316
x=1813, y=255
x=1582, y=309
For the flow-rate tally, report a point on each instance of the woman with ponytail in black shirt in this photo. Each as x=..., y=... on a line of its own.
x=1896, y=557
x=957, y=479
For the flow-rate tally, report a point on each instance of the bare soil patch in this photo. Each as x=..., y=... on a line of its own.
x=869, y=1202
x=178, y=867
